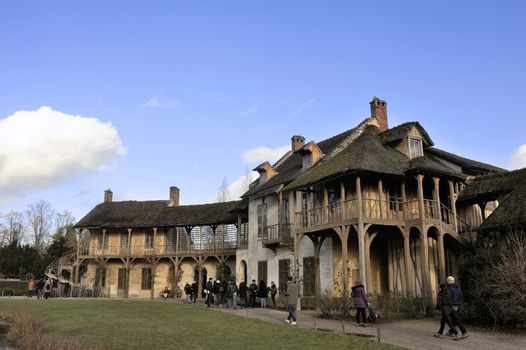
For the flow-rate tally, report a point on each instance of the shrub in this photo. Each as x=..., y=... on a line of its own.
x=494, y=282
x=398, y=303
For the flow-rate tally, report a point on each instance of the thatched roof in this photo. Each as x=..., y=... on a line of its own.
x=401, y=131
x=468, y=166
x=130, y=214
x=509, y=189
x=289, y=166
x=371, y=153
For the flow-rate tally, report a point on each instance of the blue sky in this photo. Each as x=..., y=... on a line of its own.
x=189, y=87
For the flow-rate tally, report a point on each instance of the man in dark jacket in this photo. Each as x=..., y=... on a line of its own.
x=292, y=295
x=209, y=293
x=243, y=290
x=188, y=291
x=253, y=289
x=456, y=301
x=444, y=305
x=195, y=289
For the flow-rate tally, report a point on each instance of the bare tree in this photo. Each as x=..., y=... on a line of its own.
x=249, y=177
x=224, y=193
x=40, y=216
x=14, y=227
x=65, y=227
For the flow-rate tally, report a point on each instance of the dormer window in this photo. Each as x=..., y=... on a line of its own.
x=310, y=155
x=415, y=148
x=307, y=160
x=266, y=172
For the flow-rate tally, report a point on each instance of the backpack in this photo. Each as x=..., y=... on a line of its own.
x=372, y=315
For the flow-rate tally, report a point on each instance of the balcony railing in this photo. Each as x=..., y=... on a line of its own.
x=160, y=250
x=277, y=233
x=389, y=210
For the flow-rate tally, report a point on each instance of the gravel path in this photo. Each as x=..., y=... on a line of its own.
x=411, y=334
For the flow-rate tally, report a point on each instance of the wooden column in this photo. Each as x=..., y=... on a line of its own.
x=361, y=233
x=129, y=241
x=344, y=236
x=239, y=223
x=404, y=199
x=77, y=262
x=104, y=245
x=452, y=203
x=367, y=240
x=307, y=202
x=345, y=212
x=154, y=239
x=317, y=278
x=380, y=198
x=325, y=210
x=436, y=196
x=424, y=253
x=409, y=273
x=441, y=257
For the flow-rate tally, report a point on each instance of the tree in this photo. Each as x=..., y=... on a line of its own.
x=224, y=193
x=40, y=216
x=13, y=227
x=65, y=228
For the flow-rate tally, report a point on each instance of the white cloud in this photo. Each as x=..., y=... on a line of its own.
x=43, y=148
x=252, y=109
x=240, y=186
x=262, y=154
x=518, y=158
x=304, y=105
x=159, y=102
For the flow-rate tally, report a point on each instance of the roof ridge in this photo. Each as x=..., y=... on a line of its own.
x=354, y=133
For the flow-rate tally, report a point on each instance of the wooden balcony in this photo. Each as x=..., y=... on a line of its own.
x=279, y=235
x=381, y=212
x=159, y=251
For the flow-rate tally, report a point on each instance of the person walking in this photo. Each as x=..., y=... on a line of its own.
x=195, y=290
x=243, y=290
x=209, y=293
x=30, y=287
x=253, y=289
x=263, y=294
x=273, y=291
x=188, y=291
x=360, y=302
x=40, y=288
x=292, y=294
x=456, y=301
x=444, y=305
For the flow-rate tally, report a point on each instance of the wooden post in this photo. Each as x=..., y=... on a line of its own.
x=104, y=245
x=344, y=210
x=381, y=198
x=325, y=210
x=361, y=233
x=308, y=208
x=452, y=203
x=436, y=196
x=405, y=207
x=239, y=223
x=280, y=212
x=409, y=273
x=129, y=241
x=424, y=252
x=317, y=278
x=154, y=240
x=441, y=257
x=77, y=263
x=344, y=236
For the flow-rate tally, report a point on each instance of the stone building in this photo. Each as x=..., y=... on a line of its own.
x=373, y=203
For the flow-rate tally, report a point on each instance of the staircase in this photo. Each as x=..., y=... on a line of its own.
x=64, y=263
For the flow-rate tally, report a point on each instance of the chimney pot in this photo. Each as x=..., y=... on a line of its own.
x=298, y=141
x=379, y=112
x=174, y=196
x=108, y=196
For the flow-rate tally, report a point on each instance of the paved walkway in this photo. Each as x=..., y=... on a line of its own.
x=410, y=334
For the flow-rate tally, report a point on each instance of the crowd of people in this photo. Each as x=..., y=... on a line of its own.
x=45, y=288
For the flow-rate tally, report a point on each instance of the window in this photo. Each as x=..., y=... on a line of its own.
x=102, y=241
x=285, y=214
x=415, y=148
x=100, y=277
x=284, y=272
x=307, y=160
x=148, y=240
x=262, y=219
x=170, y=240
x=121, y=281
x=263, y=177
x=124, y=240
x=146, y=281
x=309, y=276
x=262, y=271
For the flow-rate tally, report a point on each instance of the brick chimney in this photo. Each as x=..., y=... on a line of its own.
x=108, y=196
x=379, y=112
x=174, y=196
x=298, y=141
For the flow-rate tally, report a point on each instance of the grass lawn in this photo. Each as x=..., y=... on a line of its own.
x=156, y=325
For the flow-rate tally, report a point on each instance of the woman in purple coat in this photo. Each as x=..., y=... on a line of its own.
x=360, y=302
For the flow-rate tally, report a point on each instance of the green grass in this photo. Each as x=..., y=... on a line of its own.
x=158, y=325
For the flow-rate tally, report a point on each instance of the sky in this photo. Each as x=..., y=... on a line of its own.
x=138, y=96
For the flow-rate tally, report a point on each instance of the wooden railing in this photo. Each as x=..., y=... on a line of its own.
x=389, y=210
x=161, y=250
x=277, y=233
